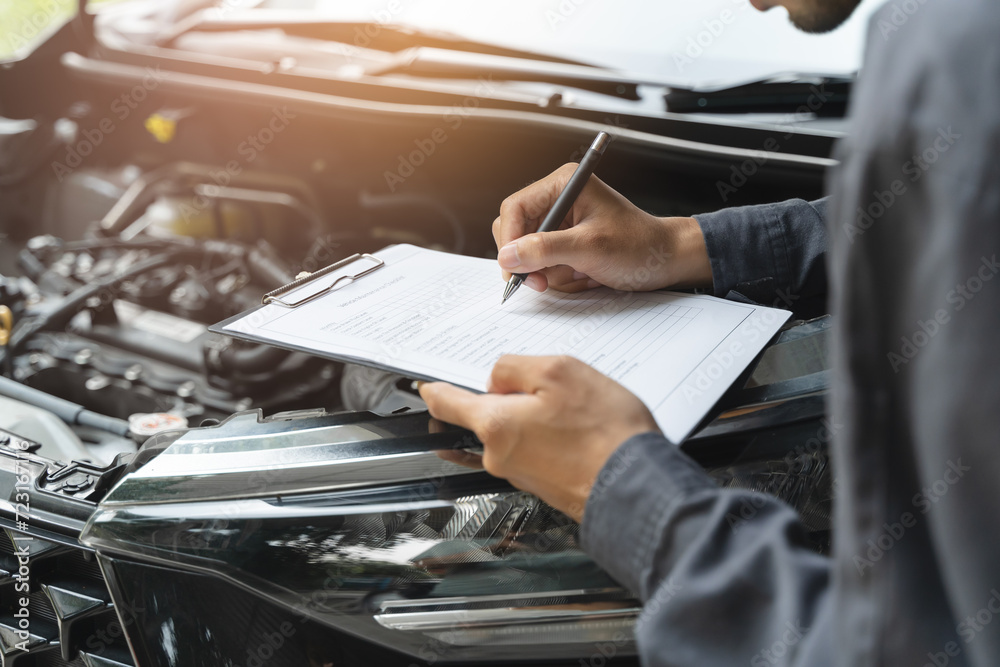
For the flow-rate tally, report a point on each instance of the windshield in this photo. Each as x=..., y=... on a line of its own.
x=684, y=42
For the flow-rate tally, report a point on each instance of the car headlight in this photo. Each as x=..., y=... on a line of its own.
x=434, y=559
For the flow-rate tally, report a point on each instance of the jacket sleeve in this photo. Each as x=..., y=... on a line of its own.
x=773, y=254
x=725, y=576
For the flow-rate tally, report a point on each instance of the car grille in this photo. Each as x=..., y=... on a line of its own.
x=70, y=618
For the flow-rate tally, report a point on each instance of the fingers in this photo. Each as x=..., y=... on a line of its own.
x=484, y=414
x=461, y=457
x=562, y=278
x=536, y=281
x=508, y=375
x=576, y=286
x=566, y=279
x=538, y=251
x=451, y=404
x=527, y=374
x=523, y=211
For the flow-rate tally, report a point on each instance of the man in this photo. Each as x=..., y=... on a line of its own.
x=913, y=230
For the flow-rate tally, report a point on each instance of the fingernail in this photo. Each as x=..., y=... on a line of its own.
x=535, y=282
x=579, y=276
x=508, y=256
x=591, y=284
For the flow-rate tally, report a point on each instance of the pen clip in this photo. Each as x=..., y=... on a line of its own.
x=274, y=296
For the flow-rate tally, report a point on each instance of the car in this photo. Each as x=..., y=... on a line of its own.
x=171, y=496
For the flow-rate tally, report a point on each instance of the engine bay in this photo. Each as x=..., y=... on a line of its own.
x=145, y=196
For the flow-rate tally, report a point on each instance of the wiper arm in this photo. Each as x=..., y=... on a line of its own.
x=788, y=93
x=417, y=52
x=446, y=63
x=370, y=35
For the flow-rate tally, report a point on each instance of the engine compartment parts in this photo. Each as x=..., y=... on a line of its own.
x=143, y=425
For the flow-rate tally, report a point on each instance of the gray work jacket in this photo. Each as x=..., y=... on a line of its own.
x=908, y=243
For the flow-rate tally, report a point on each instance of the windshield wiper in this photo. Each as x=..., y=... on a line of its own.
x=786, y=93
x=370, y=35
x=416, y=52
x=446, y=63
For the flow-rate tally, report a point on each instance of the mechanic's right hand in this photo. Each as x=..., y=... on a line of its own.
x=604, y=240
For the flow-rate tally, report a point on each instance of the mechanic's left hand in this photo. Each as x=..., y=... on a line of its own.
x=548, y=424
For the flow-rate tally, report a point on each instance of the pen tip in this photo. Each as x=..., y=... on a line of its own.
x=511, y=287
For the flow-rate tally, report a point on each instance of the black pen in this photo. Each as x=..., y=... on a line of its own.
x=565, y=200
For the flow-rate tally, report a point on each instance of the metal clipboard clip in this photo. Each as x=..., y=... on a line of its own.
x=305, y=278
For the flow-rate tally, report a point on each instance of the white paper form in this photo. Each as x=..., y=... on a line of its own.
x=436, y=315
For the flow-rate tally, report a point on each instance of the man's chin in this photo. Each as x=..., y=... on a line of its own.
x=819, y=16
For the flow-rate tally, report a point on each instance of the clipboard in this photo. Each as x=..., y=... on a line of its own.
x=305, y=279
x=430, y=315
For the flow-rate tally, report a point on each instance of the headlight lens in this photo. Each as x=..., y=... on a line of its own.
x=488, y=576
x=355, y=522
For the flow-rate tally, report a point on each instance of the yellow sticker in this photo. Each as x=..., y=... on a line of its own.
x=6, y=324
x=161, y=127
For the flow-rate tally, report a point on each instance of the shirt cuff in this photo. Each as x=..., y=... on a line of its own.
x=637, y=487
x=760, y=253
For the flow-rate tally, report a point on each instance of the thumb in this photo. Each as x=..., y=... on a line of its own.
x=534, y=252
x=451, y=404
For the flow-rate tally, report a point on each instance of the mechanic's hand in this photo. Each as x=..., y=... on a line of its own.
x=548, y=424
x=605, y=240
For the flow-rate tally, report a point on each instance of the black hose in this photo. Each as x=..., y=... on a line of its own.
x=59, y=317
x=69, y=412
x=262, y=263
x=32, y=163
x=267, y=267
x=31, y=265
x=251, y=361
